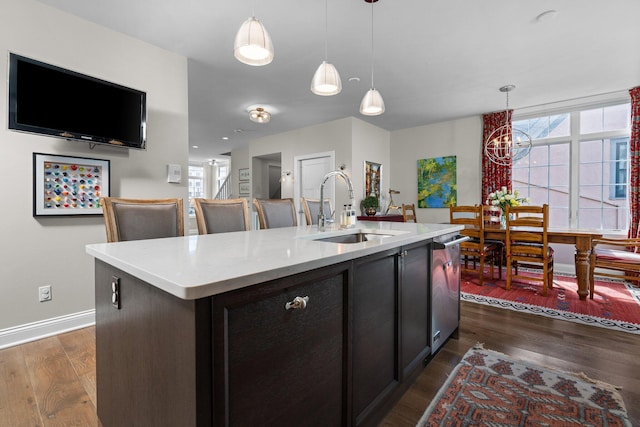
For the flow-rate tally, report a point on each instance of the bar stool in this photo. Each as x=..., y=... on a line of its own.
x=276, y=213
x=311, y=209
x=221, y=216
x=137, y=219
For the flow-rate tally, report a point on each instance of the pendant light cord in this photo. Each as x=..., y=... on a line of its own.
x=506, y=113
x=326, y=31
x=372, y=85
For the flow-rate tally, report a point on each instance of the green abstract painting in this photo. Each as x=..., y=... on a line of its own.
x=437, y=186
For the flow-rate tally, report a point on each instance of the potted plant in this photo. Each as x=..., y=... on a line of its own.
x=370, y=204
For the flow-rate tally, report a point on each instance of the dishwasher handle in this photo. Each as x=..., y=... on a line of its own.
x=460, y=239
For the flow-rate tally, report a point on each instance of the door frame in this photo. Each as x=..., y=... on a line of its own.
x=297, y=161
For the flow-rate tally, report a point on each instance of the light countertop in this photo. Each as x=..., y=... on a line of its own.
x=198, y=266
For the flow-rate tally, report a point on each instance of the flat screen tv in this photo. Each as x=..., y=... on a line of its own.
x=50, y=100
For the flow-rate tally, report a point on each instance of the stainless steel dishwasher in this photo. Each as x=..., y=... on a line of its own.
x=445, y=288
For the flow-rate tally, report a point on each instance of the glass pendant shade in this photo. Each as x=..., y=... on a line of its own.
x=253, y=45
x=326, y=80
x=372, y=103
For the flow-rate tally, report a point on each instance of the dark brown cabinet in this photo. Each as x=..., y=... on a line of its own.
x=415, y=314
x=242, y=358
x=278, y=366
x=375, y=331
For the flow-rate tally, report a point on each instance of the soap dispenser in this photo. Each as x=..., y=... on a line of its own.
x=344, y=220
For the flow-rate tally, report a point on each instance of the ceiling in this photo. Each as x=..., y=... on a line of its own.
x=433, y=60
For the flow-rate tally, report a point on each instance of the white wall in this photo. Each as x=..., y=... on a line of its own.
x=461, y=138
x=332, y=136
x=51, y=251
x=370, y=143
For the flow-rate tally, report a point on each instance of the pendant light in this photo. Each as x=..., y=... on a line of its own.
x=326, y=80
x=372, y=103
x=253, y=44
x=506, y=145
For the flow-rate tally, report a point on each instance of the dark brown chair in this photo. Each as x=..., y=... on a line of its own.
x=475, y=250
x=221, y=216
x=611, y=255
x=311, y=209
x=137, y=219
x=276, y=213
x=409, y=213
x=527, y=245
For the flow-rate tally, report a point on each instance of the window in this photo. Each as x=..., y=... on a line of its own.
x=579, y=166
x=196, y=185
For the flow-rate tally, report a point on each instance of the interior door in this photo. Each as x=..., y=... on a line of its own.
x=311, y=170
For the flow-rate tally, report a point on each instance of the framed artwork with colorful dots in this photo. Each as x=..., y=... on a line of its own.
x=68, y=185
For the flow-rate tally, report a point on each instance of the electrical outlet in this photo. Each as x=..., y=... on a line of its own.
x=44, y=293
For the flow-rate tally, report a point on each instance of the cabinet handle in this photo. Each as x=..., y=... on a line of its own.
x=298, y=302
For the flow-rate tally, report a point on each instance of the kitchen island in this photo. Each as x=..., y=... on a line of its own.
x=287, y=326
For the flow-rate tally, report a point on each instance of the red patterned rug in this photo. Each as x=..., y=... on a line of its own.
x=490, y=389
x=615, y=305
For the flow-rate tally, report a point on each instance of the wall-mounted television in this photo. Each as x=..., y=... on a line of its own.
x=50, y=100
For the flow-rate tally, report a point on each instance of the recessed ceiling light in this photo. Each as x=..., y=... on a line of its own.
x=195, y=146
x=547, y=16
x=224, y=138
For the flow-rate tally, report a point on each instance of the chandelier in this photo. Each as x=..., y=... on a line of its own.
x=506, y=145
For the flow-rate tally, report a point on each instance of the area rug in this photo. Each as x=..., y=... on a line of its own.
x=615, y=305
x=488, y=388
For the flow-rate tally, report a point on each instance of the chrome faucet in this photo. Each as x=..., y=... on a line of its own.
x=322, y=219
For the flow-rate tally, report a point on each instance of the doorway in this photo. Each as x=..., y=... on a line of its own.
x=310, y=169
x=266, y=176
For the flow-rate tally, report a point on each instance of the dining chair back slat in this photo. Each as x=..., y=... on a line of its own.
x=409, y=213
x=527, y=244
x=475, y=250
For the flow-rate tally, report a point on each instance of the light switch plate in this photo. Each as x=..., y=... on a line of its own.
x=174, y=174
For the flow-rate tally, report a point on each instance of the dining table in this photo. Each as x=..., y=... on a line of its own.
x=581, y=238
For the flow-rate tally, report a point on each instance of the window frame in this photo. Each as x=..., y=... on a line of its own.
x=574, y=139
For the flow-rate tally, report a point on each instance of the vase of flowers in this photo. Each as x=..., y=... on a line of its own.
x=504, y=198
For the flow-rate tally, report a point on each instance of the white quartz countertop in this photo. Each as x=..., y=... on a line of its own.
x=198, y=266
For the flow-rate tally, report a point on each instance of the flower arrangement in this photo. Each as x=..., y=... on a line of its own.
x=503, y=198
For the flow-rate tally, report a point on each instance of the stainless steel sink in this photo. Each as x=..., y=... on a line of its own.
x=353, y=238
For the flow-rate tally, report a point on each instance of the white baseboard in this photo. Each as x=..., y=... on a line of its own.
x=46, y=328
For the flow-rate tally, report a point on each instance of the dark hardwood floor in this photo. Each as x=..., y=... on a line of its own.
x=601, y=354
x=51, y=382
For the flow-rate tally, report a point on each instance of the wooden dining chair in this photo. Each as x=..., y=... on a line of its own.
x=491, y=219
x=276, y=213
x=409, y=213
x=475, y=251
x=527, y=245
x=221, y=216
x=619, y=258
x=311, y=209
x=137, y=219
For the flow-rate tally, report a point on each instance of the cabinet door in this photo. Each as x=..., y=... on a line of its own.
x=278, y=367
x=375, y=331
x=414, y=309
